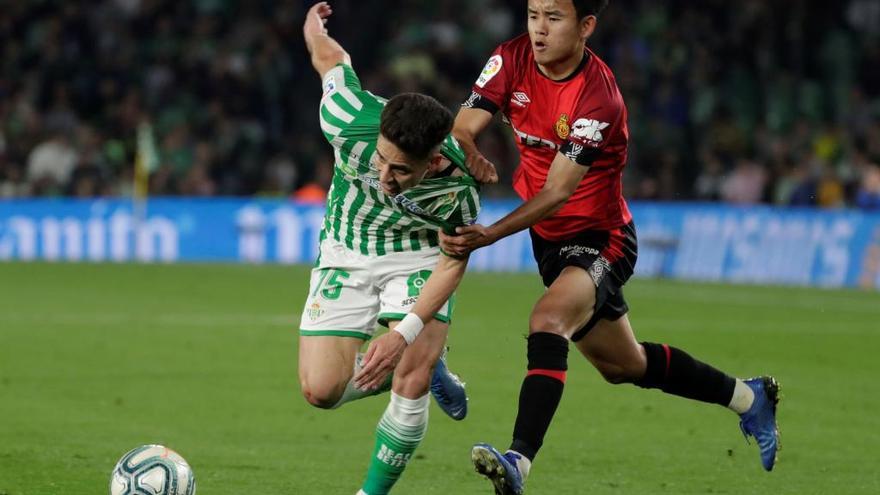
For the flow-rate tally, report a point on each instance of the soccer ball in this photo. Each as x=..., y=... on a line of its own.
x=152, y=470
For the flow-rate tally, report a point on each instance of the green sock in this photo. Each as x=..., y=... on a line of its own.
x=400, y=430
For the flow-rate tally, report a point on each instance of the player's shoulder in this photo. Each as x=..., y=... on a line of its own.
x=600, y=85
x=343, y=82
x=516, y=51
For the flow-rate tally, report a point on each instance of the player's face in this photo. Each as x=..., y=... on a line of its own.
x=555, y=30
x=397, y=172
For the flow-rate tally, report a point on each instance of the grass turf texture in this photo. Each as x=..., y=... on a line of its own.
x=97, y=359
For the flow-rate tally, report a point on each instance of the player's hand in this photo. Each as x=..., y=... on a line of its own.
x=382, y=357
x=482, y=169
x=467, y=239
x=316, y=18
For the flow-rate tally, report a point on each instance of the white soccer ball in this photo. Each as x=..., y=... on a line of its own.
x=152, y=470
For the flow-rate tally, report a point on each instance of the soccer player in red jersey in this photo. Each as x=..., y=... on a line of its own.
x=570, y=125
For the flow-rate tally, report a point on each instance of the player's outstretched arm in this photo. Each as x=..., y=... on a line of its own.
x=325, y=51
x=469, y=123
x=562, y=180
x=385, y=352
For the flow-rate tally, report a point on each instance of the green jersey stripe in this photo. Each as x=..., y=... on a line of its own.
x=393, y=218
x=350, y=97
x=374, y=213
x=330, y=124
x=340, y=193
x=352, y=216
x=336, y=111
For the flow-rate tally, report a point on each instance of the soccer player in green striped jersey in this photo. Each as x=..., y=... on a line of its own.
x=399, y=178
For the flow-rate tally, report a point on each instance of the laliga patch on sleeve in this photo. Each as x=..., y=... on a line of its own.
x=329, y=84
x=493, y=67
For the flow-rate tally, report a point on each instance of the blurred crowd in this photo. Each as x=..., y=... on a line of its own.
x=758, y=101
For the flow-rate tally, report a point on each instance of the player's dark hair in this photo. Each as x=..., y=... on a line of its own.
x=589, y=7
x=415, y=123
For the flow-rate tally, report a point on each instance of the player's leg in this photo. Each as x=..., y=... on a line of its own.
x=564, y=308
x=405, y=420
x=326, y=367
x=339, y=316
x=402, y=279
x=612, y=348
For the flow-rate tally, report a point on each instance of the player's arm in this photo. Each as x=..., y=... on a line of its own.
x=325, y=51
x=385, y=352
x=438, y=289
x=469, y=123
x=562, y=180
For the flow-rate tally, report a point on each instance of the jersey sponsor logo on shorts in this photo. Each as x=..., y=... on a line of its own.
x=588, y=131
x=416, y=281
x=561, y=127
x=520, y=99
x=492, y=68
x=576, y=250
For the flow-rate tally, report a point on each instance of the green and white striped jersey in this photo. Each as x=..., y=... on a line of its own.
x=359, y=213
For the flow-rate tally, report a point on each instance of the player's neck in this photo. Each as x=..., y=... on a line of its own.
x=563, y=69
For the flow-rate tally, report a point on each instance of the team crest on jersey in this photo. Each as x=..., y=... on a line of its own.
x=493, y=67
x=446, y=200
x=562, y=127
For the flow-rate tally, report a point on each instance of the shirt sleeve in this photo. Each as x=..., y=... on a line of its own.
x=492, y=87
x=592, y=128
x=468, y=206
x=346, y=109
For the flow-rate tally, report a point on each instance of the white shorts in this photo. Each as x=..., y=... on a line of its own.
x=350, y=292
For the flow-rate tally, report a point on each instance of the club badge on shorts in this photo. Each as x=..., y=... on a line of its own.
x=562, y=127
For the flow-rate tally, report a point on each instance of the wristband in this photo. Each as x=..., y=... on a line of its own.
x=410, y=327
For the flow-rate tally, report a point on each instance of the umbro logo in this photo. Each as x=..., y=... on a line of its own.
x=520, y=98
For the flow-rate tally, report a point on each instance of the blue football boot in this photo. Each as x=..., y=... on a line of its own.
x=448, y=390
x=500, y=468
x=760, y=420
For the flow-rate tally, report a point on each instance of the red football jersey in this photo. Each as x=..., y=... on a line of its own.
x=582, y=117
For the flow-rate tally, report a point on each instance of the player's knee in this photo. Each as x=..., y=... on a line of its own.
x=548, y=322
x=612, y=374
x=617, y=373
x=322, y=396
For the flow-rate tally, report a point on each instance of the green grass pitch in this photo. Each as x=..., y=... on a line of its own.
x=97, y=359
